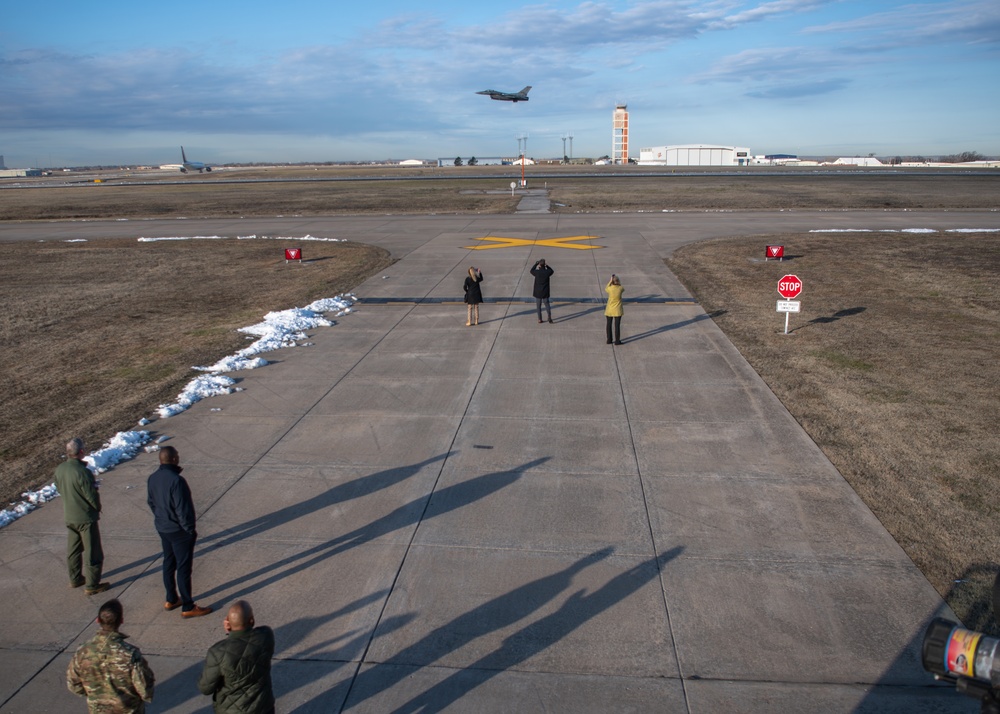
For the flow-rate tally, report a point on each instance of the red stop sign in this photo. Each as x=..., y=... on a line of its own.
x=789, y=287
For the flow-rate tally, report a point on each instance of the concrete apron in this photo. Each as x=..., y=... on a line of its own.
x=508, y=517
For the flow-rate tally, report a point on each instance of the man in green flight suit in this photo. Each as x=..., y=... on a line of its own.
x=82, y=510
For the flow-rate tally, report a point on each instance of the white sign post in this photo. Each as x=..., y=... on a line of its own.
x=789, y=287
x=788, y=306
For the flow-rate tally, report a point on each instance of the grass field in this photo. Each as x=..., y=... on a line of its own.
x=891, y=367
x=95, y=335
x=326, y=191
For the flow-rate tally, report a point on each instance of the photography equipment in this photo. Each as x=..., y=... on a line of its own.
x=968, y=659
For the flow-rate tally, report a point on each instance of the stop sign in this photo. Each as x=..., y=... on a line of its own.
x=789, y=287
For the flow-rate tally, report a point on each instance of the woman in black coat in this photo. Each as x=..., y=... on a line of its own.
x=473, y=295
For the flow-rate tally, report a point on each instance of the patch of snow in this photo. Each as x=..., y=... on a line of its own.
x=123, y=446
x=197, y=389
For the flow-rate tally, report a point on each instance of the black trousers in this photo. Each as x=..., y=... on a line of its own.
x=538, y=306
x=178, y=559
x=618, y=327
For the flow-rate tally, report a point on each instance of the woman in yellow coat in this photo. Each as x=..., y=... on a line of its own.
x=613, y=311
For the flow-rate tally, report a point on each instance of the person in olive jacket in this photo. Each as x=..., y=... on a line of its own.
x=237, y=673
x=82, y=511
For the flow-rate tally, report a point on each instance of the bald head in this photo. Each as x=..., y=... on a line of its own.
x=169, y=455
x=240, y=616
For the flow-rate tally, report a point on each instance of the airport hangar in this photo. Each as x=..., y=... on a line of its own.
x=695, y=155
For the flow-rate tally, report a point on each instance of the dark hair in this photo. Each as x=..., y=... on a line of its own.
x=110, y=615
x=168, y=455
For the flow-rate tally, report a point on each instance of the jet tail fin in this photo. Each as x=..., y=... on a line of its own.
x=525, y=90
x=183, y=157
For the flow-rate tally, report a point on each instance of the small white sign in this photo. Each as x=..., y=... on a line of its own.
x=789, y=305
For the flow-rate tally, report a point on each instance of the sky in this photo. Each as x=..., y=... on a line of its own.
x=117, y=82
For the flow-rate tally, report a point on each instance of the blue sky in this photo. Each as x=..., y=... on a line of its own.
x=128, y=82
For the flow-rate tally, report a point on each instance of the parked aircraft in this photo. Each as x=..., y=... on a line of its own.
x=515, y=97
x=192, y=165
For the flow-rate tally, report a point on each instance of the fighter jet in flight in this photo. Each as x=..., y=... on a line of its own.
x=515, y=97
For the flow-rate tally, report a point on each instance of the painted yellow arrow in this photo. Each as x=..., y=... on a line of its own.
x=548, y=242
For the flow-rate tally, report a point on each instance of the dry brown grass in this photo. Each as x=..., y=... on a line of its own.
x=758, y=190
x=338, y=190
x=892, y=369
x=199, y=198
x=95, y=335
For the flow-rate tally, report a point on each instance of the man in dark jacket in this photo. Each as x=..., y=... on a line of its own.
x=82, y=511
x=542, y=273
x=170, y=501
x=237, y=673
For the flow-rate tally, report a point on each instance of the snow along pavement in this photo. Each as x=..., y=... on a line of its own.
x=278, y=330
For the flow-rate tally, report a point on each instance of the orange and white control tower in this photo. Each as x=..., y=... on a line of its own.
x=619, y=141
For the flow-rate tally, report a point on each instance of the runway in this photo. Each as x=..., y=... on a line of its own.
x=508, y=517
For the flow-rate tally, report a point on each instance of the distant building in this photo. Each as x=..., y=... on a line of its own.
x=619, y=136
x=19, y=173
x=695, y=155
x=412, y=162
x=776, y=160
x=1, y=163
x=486, y=161
x=858, y=161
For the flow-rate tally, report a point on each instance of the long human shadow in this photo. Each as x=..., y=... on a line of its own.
x=493, y=615
x=579, y=313
x=341, y=650
x=182, y=687
x=539, y=635
x=341, y=493
x=502, y=612
x=451, y=498
x=673, y=326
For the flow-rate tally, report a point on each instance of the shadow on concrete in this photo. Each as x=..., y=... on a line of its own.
x=499, y=613
x=341, y=493
x=405, y=516
x=983, y=616
x=579, y=313
x=346, y=650
x=182, y=687
x=672, y=326
x=178, y=691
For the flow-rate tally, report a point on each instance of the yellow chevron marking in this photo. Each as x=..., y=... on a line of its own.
x=566, y=242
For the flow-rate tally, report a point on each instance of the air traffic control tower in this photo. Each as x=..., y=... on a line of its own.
x=619, y=139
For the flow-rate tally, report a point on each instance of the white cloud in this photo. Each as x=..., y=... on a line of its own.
x=920, y=24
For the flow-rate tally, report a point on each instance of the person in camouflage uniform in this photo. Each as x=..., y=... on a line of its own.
x=112, y=674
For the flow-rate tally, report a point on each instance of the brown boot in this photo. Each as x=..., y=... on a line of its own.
x=196, y=611
x=475, y=314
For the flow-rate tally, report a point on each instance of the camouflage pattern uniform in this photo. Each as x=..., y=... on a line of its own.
x=112, y=674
